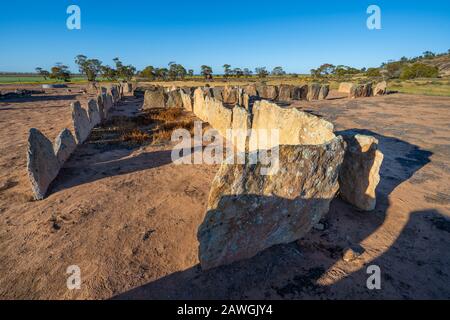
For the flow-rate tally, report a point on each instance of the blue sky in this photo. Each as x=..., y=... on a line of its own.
x=298, y=35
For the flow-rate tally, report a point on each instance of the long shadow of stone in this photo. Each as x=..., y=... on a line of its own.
x=294, y=270
x=40, y=98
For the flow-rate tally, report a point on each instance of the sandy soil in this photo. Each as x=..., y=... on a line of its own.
x=128, y=217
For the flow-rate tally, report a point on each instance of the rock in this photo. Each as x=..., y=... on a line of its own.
x=92, y=88
x=352, y=254
x=42, y=164
x=285, y=93
x=294, y=126
x=114, y=91
x=155, y=98
x=380, y=88
x=251, y=90
x=313, y=91
x=208, y=92
x=267, y=92
x=187, y=100
x=230, y=95
x=361, y=90
x=107, y=103
x=174, y=99
x=101, y=106
x=127, y=87
x=360, y=172
x=199, y=104
x=300, y=92
x=218, y=93
x=219, y=116
x=346, y=87
x=81, y=122
x=64, y=146
x=319, y=226
x=241, y=122
x=249, y=211
x=93, y=113
x=324, y=90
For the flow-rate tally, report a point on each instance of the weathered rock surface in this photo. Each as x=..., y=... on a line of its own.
x=174, y=99
x=346, y=87
x=64, y=146
x=361, y=90
x=230, y=95
x=360, y=172
x=127, y=87
x=155, y=97
x=380, y=88
x=249, y=212
x=285, y=93
x=324, y=90
x=251, y=90
x=240, y=125
x=219, y=116
x=313, y=91
x=42, y=164
x=93, y=113
x=187, y=100
x=294, y=126
x=300, y=92
x=218, y=93
x=81, y=122
x=267, y=92
x=199, y=104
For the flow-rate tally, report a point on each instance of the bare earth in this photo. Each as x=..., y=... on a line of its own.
x=128, y=217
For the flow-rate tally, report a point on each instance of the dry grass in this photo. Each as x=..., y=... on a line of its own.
x=135, y=136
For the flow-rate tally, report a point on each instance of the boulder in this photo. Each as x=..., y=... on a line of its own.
x=285, y=93
x=346, y=87
x=219, y=116
x=155, y=97
x=249, y=211
x=380, y=88
x=81, y=123
x=174, y=99
x=64, y=146
x=361, y=90
x=324, y=90
x=267, y=92
x=93, y=113
x=360, y=171
x=313, y=91
x=218, y=93
x=300, y=92
x=251, y=90
x=230, y=95
x=294, y=126
x=42, y=164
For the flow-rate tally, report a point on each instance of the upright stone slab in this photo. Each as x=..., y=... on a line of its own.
x=230, y=95
x=251, y=90
x=199, y=104
x=155, y=97
x=241, y=123
x=218, y=93
x=313, y=91
x=360, y=172
x=174, y=99
x=267, y=92
x=249, y=211
x=101, y=106
x=108, y=104
x=380, y=88
x=93, y=113
x=42, y=164
x=324, y=90
x=187, y=100
x=219, y=116
x=346, y=87
x=294, y=126
x=127, y=87
x=285, y=93
x=64, y=146
x=81, y=122
x=300, y=92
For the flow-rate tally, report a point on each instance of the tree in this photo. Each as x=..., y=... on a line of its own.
x=206, y=72
x=261, y=72
x=278, y=71
x=226, y=70
x=419, y=70
x=428, y=54
x=125, y=73
x=60, y=72
x=373, y=72
x=148, y=73
x=191, y=73
x=109, y=73
x=238, y=72
x=161, y=73
x=247, y=72
x=42, y=72
x=393, y=69
x=89, y=67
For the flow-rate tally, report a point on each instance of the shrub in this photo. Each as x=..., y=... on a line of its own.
x=419, y=70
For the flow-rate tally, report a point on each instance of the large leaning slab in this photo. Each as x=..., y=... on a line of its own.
x=42, y=164
x=81, y=123
x=313, y=91
x=346, y=87
x=360, y=172
x=219, y=116
x=294, y=126
x=94, y=112
x=187, y=100
x=155, y=97
x=174, y=99
x=64, y=145
x=380, y=88
x=249, y=212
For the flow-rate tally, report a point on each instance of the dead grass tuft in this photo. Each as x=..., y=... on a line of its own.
x=135, y=136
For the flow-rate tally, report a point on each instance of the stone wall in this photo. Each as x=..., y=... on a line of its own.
x=45, y=159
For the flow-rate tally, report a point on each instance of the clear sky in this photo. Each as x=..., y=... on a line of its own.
x=298, y=35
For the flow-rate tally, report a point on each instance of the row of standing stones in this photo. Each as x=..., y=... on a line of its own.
x=363, y=90
x=44, y=159
x=248, y=211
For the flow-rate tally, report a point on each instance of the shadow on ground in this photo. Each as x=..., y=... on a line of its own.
x=417, y=265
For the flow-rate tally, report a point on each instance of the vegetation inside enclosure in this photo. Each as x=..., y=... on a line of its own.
x=153, y=126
